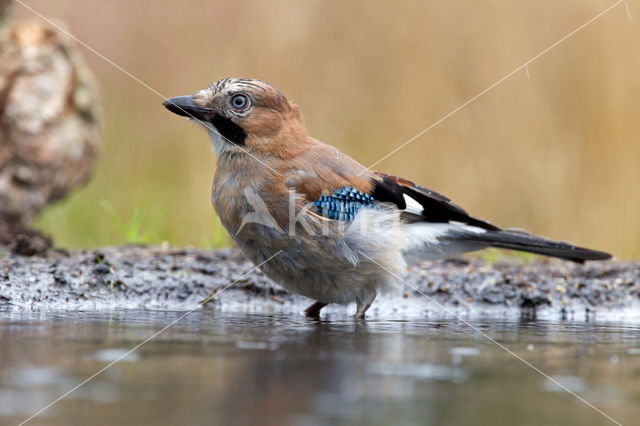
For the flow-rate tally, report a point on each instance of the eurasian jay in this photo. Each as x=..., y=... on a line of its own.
x=330, y=228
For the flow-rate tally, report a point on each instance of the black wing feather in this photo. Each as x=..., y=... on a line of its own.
x=387, y=190
x=437, y=207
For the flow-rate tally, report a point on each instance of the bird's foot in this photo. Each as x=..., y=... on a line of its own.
x=363, y=303
x=313, y=311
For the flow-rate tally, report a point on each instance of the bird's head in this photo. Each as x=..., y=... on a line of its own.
x=243, y=115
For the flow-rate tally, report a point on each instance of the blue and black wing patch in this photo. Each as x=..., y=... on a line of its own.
x=344, y=203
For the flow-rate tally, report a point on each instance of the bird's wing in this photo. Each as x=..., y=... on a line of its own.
x=323, y=171
x=422, y=204
x=437, y=226
x=341, y=198
x=343, y=203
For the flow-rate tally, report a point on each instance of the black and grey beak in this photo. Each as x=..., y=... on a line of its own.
x=185, y=107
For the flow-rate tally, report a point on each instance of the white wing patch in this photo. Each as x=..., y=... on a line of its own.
x=413, y=206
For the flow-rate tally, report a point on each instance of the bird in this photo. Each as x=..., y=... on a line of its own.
x=318, y=222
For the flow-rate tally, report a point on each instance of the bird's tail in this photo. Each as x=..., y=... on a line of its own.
x=523, y=241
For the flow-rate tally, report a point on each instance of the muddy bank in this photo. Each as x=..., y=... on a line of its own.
x=155, y=278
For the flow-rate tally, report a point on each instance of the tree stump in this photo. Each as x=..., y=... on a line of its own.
x=49, y=122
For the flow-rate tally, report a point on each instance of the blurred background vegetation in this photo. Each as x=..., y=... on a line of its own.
x=556, y=153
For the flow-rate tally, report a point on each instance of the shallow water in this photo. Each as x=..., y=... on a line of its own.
x=228, y=368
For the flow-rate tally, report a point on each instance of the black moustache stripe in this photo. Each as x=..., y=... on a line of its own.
x=229, y=130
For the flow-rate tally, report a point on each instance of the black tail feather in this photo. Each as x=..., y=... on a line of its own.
x=522, y=241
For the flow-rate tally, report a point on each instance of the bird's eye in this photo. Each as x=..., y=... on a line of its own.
x=239, y=102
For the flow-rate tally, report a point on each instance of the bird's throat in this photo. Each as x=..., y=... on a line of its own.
x=229, y=130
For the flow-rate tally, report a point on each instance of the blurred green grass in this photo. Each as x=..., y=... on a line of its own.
x=556, y=153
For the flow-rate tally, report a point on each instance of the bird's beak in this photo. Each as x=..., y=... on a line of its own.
x=185, y=107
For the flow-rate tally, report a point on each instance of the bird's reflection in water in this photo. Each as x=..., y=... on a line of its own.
x=216, y=367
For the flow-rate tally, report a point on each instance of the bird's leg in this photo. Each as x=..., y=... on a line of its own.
x=313, y=311
x=364, y=301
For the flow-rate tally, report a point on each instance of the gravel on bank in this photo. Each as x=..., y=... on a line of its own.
x=157, y=278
